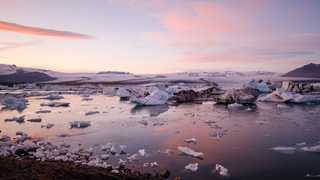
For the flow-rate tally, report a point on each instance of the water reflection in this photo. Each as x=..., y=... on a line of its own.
x=153, y=111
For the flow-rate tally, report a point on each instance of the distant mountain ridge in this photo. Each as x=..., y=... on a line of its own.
x=307, y=71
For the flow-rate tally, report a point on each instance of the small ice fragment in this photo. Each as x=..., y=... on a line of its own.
x=190, y=152
x=115, y=171
x=133, y=157
x=193, y=167
x=43, y=111
x=34, y=120
x=79, y=124
x=56, y=104
x=315, y=148
x=91, y=113
x=235, y=106
x=19, y=119
x=221, y=171
x=142, y=152
x=154, y=164
x=301, y=144
x=48, y=126
x=191, y=140
x=284, y=149
x=261, y=122
x=104, y=156
x=54, y=97
x=122, y=162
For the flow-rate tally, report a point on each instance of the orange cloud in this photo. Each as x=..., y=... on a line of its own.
x=17, y=28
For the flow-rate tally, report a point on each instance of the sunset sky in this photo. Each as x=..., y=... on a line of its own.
x=160, y=36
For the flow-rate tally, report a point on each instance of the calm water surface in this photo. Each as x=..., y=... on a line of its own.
x=243, y=148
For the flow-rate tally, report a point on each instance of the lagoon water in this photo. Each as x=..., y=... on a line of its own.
x=239, y=139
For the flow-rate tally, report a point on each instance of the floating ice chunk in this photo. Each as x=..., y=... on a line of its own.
x=260, y=86
x=91, y=113
x=143, y=122
x=122, y=149
x=301, y=144
x=87, y=99
x=19, y=119
x=56, y=104
x=282, y=106
x=122, y=162
x=190, y=152
x=13, y=103
x=54, y=97
x=106, y=147
x=261, y=122
x=156, y=97
x=315, y=148
x=35, y=120
x=43, y=111
x=123, y=93
x=154, y=164
x=115, y=171
x=113, y=150
x=312, y=176
x=79, y=124
x=284, y=149
x=104, y=156
x=48, y=126
x=133, y=157
x=221, y=171
x=192, y=167
x=142, y=152
x=235, y=106
x=191, y=140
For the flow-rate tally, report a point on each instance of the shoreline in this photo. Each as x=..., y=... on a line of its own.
x=12, y=168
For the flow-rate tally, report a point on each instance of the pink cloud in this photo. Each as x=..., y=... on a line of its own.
x=22, y=29
x=194, y=24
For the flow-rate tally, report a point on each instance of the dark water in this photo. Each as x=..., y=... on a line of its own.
x=244, y=146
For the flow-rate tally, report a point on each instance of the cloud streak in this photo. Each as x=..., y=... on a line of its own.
x=37, y=31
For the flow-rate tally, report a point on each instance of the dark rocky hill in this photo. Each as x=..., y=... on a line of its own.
x=308, y=71
x=21, y=76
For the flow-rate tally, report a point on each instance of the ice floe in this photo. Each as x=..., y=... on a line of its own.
x=193, y=167
x=191, y=140
x=190, y=152
x=13, y=103
x=56, y=104
x=221, y=171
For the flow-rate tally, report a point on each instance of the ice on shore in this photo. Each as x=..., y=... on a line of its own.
x=190, y=152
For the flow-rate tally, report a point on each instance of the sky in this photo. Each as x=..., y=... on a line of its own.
x=160, y=36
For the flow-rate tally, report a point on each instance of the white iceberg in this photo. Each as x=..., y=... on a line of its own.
x=156, y=97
